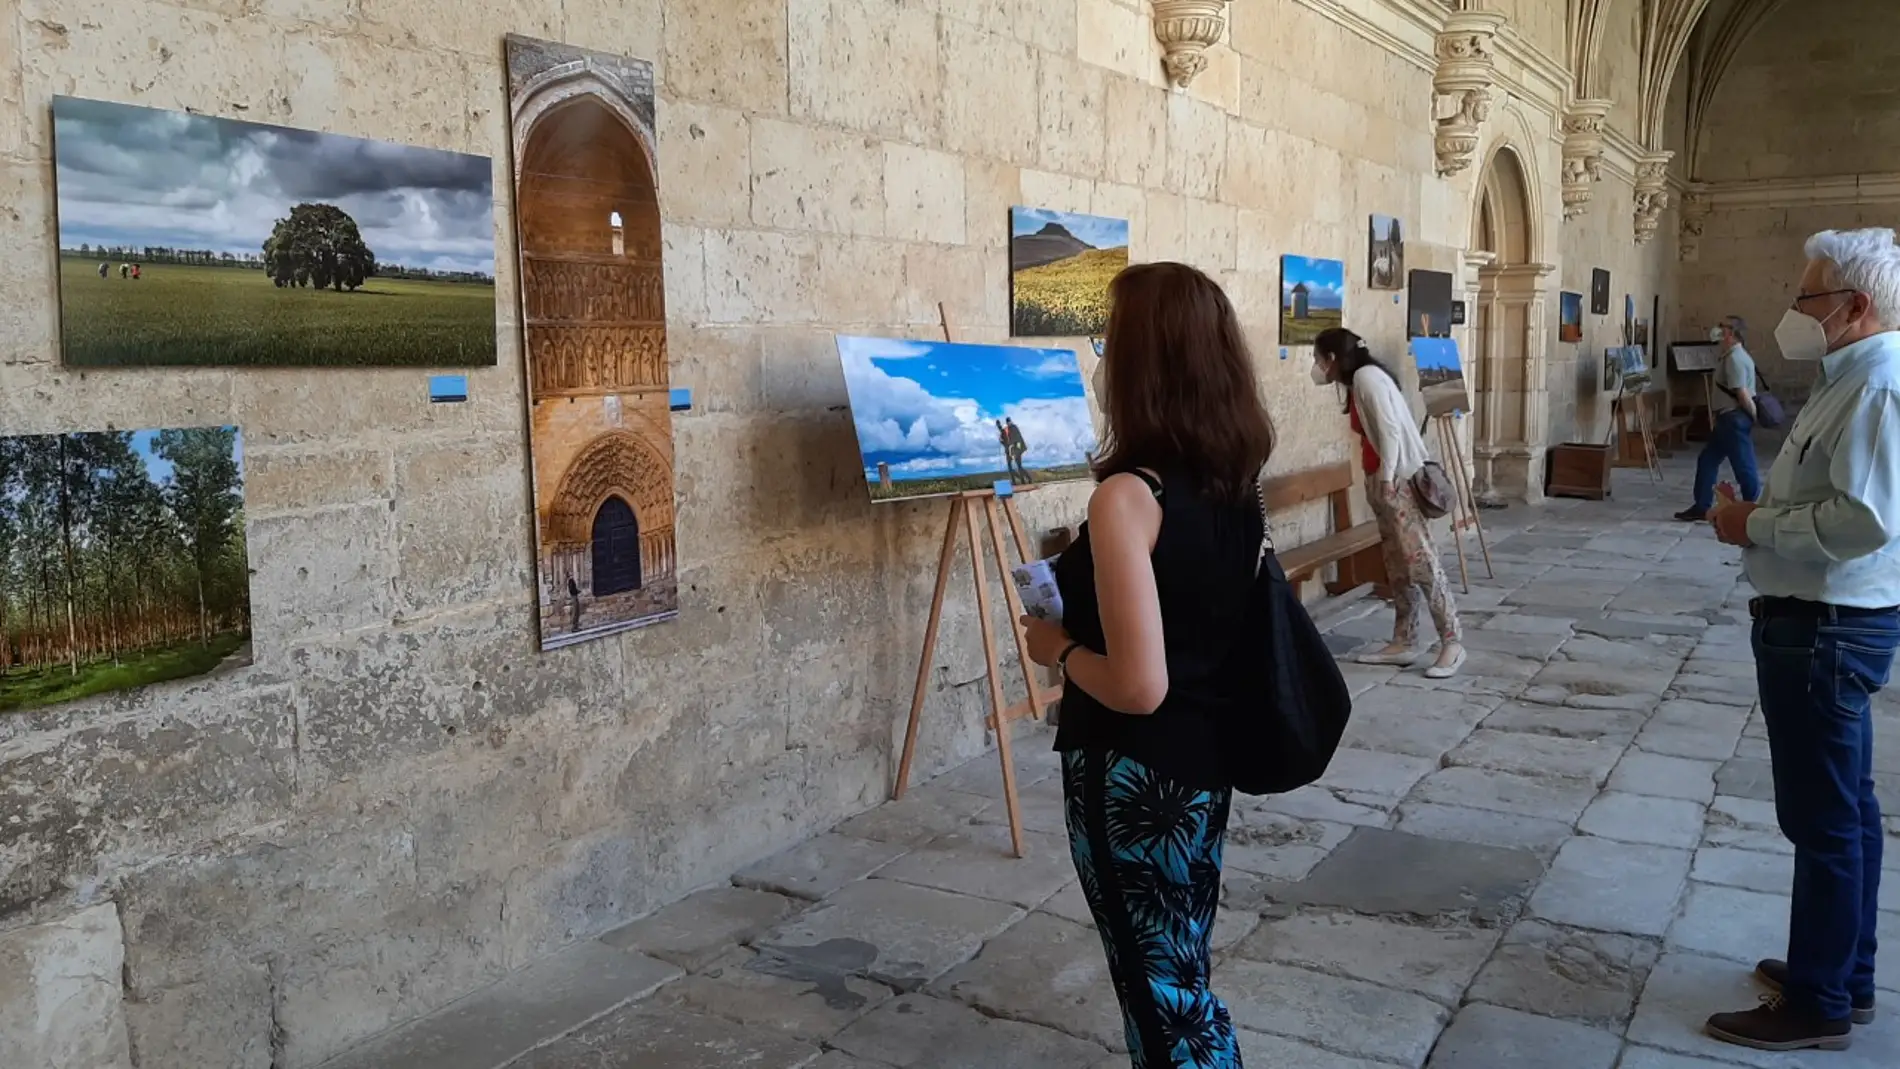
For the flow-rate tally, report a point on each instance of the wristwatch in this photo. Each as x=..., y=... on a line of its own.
x=1062, y=662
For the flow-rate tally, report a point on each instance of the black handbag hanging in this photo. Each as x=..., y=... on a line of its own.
x=1292, y=703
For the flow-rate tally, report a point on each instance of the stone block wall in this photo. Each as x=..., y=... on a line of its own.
x=402, y=799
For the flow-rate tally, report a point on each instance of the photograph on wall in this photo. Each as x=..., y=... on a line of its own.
x=1441, y=376
x=1570, y=317
x=1429, y=314
x=1599, y=292
x=1060, y=265
x=122, y=561
x=1312, y=298
x=1655, y=331
x=191, y=240
x=940, y=417
x=1386, y=266
x=1612, y=370
x=1629, y=320
x=593, y=314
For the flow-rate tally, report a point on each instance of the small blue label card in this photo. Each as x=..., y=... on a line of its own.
x=448, y=389
x=680, y=398
x=1004, y=488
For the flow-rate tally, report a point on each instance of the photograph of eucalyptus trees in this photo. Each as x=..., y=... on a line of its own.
x=122, y=561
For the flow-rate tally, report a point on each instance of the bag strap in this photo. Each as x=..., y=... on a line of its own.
x=1266, y=531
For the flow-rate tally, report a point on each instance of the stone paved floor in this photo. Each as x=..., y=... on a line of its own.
x=1565, y=857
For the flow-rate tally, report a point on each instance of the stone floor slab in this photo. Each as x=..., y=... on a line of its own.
x=1230, y=925
x=1663, y=776
x=699, y=928
x=1613, y=887
x=1492, y=1037
x=1637, y=818
x=1525, y=754
x=1434, y=821
x=983, y=776
x=1683, y=740
x=769, y=992
x=817, y=867
x=1686, y=988
x=1610, y=726
x=921, y=815
x=1728, y=922
x=1040, y=806
x=652, y=1037
x=1368, y=776
x=511, y=1017
x=922, y=1032
x=1484, y=884
x=896, y=933
x=1749, y=869
x=1279, y=1052
x=1348, y=1016
x=1592, y=977
x=1276, y=845
x=978, y=862
x=1415, y=722
x=1316, y=803
x=1437, y=962
x=1545, y=798
x=1046, y=971
x=1746, y=779
x=1650, y=1058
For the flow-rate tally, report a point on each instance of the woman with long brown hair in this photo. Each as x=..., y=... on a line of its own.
x=1154, y=592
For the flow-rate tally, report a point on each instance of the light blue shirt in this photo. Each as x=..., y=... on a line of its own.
x=1829, y=526
x=1736, y=372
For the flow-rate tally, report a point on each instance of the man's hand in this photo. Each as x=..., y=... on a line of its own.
x=1730, y=520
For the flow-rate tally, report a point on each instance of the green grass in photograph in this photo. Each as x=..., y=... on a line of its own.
x=1068, y=298
x=234, y=317
x=26, y=688
x=1306, y=331
x=960, y=483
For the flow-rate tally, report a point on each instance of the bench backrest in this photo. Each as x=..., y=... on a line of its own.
x=1293, y=489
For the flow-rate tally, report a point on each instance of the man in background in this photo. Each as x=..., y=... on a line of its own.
x=1822, y=551
x=1732, y=418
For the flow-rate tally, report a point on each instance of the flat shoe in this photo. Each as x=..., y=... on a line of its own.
x=1446, y=671
x=1388, y=660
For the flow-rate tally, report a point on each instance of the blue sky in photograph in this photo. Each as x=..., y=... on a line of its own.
x=1436, y=354
x=1325, y=280
x=158, y=467
x=1096, y=230
x=929, y=409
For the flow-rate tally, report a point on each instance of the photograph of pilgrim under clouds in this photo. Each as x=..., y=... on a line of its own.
x=191, y=240
x=938, y=418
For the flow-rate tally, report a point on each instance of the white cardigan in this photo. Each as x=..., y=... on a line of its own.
x=1387, y=419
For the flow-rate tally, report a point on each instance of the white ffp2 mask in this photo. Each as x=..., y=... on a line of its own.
x=1099, y=380
x=1320, y=378
x=1801, y=337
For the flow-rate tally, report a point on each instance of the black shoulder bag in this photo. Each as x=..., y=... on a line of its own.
x=1292, y=702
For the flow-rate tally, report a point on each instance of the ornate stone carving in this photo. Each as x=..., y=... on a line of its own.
x=1652, y=193
x=586, y=358
x=1186, y=30
x=1695, y=212
x=604, y=290
x=1462, y=85
x=1583, y=153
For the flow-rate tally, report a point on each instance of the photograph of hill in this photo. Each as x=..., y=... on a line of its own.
x=1060, y=265
x=939, y=418
x=191, y=240
x=1312, y=298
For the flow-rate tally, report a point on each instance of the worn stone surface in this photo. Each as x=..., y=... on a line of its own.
x=769, y=992
x=1538, y=835
x=1686, y=988
x=1491, y=1037
x=1527, y=754
x=978, y=862
x=60, y=988
x=922, y=1032
x=1613, y=887
x=694, y=931
x=1046, y=971
x=1485, y=884
x=1276, y=845
x=1438, y=963
x=1729, y=922
x=1662, y=776
x=1593, y=977
x=653, y=1037
x=1549, y=798
x=1637, y=818
x=899, y=934
x=1348, y=1016
x=817, y=867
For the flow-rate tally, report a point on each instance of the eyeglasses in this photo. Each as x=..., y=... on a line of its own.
x=1799, y=297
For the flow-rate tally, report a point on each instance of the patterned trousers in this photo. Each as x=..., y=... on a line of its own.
x=1411, y=563
x=1148, y=851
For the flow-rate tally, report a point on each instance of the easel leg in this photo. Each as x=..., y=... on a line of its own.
x=993, y=673
x=1039, y=695
x=924, y=660
x=1463, y=471
x=1033, y=706
x=1449, y=443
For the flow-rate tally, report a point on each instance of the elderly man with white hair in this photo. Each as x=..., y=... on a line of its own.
x=1822, y=550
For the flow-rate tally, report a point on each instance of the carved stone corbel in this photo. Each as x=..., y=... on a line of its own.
x=1652, y=193
x=1695, y=212
x=1467, y=69
x=1583, y=153
x=1186, y=30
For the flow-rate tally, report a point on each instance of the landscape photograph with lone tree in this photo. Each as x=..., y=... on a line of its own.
x=123, y=561
x=188, y=240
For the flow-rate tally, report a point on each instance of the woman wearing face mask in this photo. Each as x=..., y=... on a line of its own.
x=1393, y=451
x=1154, y=593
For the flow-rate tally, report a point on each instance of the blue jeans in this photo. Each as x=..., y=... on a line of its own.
x=1732, y=440
x=1819, y=667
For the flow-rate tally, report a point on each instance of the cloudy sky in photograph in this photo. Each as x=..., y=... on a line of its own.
x=140, y=176
x=929, y=409
x=1325, y=281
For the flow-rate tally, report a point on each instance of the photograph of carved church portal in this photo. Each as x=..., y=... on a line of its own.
x=594, y=321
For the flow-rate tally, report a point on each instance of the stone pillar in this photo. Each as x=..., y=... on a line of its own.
x=1695, y=214
x=1462, y=84
x=1186, y=30
x=1516, y=408
x=1583, y=153
x=1474, y=342
x=1652, y=193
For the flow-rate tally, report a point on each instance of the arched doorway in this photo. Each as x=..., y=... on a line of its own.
x=616, y=547
x=1507, y=334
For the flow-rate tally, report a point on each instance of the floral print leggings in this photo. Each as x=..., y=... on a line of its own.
x=1411, y=563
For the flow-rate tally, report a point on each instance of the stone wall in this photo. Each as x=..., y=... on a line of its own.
x=402, y=799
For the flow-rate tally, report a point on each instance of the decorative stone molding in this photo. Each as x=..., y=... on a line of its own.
x=1467, y=69
x=1186, y=30
x=1695, y=212
x=1583, y=153
x=1652, y=193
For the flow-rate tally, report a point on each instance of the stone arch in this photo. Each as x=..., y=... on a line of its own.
x=615, y=464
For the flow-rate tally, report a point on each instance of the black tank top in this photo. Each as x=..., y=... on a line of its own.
x=1204, y=559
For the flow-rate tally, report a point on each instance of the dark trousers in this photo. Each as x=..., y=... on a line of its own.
x=1732, y=439
x=1819, y=667
x=1148, y=852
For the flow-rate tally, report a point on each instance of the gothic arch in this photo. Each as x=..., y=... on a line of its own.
x=616, y=464
x=1505, y=322
x=561, y=83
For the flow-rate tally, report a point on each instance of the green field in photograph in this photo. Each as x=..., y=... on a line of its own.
x=1306, y=331
x=29, y=688
x=959, y=484
x=177, y=316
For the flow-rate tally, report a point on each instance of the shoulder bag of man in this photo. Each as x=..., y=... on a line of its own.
x=1768, y=411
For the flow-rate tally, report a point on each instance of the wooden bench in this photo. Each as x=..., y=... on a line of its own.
x=1354, y=547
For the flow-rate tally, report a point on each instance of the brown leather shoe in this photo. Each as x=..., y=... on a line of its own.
x=1773, y=974
x=1775, y=1025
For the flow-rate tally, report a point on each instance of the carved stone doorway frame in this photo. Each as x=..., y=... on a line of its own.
x=1505, y=286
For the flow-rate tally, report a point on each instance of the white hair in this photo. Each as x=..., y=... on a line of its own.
x=1866, y=261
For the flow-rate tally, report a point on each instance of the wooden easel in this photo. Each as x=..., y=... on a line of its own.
x=1619, y=425
x=963, y=512
x=1464, y=508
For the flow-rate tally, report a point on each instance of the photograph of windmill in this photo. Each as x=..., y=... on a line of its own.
x=1060, y=265
x=122, y=561
x=191, y=240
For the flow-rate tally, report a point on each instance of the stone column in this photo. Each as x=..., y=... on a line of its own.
x=1695, y=214
x=1474, y=342
x=1462, y=84
x=1186, y=30
x=1510, y=454
x=1583, y=153
x=1652, y=193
